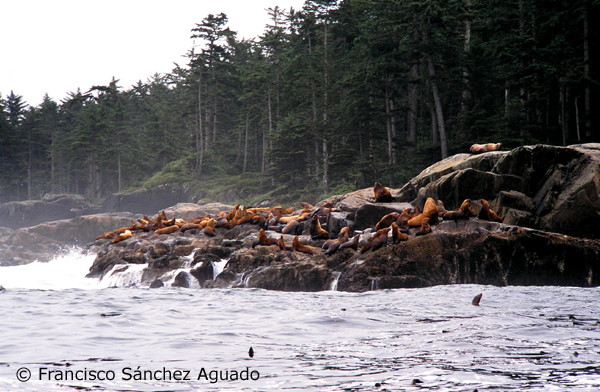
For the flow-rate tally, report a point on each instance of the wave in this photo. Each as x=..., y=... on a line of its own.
x=64, y=271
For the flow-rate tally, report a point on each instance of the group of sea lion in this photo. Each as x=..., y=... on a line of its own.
x=278, y=219
x=394, y=227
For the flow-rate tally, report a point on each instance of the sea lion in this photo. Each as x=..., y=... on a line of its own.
x=306, y=205
x=387, y=220
x=263, y=240
x=231, y=214
x=298, y=247
x=209, y=229
x=487, y=214
x=121, y=237
x=463, y=212
x=381, y=193
x=282, y=245
x=167, y=230
x=189, y=226
x=481, y=148
x=352, y=243
x=290, y=227
x=380, y=239
x=476, y=300
x=430, y=211
x=425, y=228
x=316, y=231
x=397, y=235
x=342, y=238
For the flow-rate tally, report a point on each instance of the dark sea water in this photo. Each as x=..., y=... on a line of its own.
x=65, y=332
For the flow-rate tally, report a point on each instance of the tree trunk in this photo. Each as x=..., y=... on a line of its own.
x=466, y=93
x=199, y=138
x=438, y=108
x=246, y=141
x=586, y=73
x=390, y=136
x=411, y=137
x=325, y=167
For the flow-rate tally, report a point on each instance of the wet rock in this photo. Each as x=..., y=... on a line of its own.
x=203, y=272
x=157, y=284
x=183, y=279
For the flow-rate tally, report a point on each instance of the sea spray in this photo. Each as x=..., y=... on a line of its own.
x=64, y=271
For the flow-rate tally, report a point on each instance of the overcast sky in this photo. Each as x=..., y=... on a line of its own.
x=57, y=46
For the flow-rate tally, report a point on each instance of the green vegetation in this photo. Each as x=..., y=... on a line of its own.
x=330, y=99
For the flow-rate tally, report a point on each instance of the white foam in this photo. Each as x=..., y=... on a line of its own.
x=64, y=271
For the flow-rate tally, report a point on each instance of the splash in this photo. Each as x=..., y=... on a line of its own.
x=64, y=271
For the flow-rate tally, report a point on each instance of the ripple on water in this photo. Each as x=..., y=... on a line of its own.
x=519, y=338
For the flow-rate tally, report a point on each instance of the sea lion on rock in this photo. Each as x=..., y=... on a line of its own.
x=481, y=148
x=352, y=243
x=189, y=226
x=430, y=211
x=387, y=220
x=282, y=245
x=487, y=214
x=342, y=238
x=477, y=299
x=381, y=193
x=298, y=247
x=167, y=230
x=316, y=231
x=380, y=239
x=425, y=228
x=263, y=240
x=290, y=227
x=123, y=236
x=464, y=212
x=397, y=235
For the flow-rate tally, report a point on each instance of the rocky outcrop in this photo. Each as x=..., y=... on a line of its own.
x=43, y=241
x=548, y=197
x=550, y=188
x=143, y=200
x=18, y=214
x=456, y=252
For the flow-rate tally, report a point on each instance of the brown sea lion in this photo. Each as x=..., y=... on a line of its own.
x=167, y=230
x=231, y=214
x=430, y=211
x=263, y=240
x=481, y=148
x=123, y=236
x=387, y=220
x=298, y=247
x=397, y=235
x=381, y=193
x=209, y=229
x=189, y=226
x=316, y=231
x=342, y=238
x=380, y=238
x=425, y=228
x=282, y=245
x=487, y=214
x=290, y=227
x=306, y=205
x=352, y=243
x=464, y=212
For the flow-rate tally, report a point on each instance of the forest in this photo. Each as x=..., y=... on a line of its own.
x=330, y=99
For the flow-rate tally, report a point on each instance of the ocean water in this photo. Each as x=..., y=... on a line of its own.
x=62, y=332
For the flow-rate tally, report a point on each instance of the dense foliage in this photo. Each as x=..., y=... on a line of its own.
x=329, y=99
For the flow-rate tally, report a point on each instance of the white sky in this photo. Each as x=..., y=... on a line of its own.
x=57, y=46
